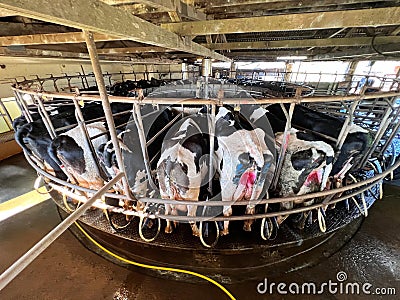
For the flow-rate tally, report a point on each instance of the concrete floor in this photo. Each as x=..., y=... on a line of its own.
x=16, y=177
x=67, y=270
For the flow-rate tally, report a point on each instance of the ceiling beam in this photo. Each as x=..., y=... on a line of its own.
x=219, y=3
x=176, y=6
x=265, y=7
x=334, y=42
x=99, y=17
x=392, y=49
x=320, y=20
x=6, y=13
x=51, y=38
x=73, y=55
x=133, y=50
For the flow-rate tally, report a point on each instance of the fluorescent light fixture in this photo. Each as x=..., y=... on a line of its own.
x=291, y=57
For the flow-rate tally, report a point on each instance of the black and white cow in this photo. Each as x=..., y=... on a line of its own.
x=244, y=160
x=71, y=152
x=306, y=166
x=354, y=146
x=183, y=166
x=307, y=163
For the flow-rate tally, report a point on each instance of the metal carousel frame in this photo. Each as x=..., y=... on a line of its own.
x=379, y=113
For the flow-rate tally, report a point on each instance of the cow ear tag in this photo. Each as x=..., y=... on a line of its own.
x=81, y=103
x=237, y=107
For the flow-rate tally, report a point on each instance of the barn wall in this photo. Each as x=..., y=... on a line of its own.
x=15, y=67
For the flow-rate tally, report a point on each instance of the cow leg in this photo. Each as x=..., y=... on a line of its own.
x=250, y=210
x=281, y=219
x=192, y=213
x=168, y=210
x=227, y=213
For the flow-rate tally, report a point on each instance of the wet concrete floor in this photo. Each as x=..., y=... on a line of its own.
x=67, y=270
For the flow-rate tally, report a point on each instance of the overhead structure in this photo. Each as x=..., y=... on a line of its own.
x=190, y=29
x=102, y=18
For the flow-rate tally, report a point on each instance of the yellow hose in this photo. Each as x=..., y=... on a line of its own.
x=146, y=266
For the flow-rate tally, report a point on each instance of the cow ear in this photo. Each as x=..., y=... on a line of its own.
x=29, y=127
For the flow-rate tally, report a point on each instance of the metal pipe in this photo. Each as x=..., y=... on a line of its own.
x=232, y=101
x=211, y=132
x=381, y=131
x=32, y=160
x=6, y=114
x=81, y=123
x=285, y=199
x=260, y=216
x=27, y=114
x=285, y=141
x=106, y=105
x=45, y=117
x=163, y=129
x=84, y=76
x=345, y=128
x=45, y=242
x=139, y=124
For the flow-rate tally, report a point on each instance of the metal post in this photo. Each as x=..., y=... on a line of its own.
x=285, y=140
x=205, y=72
x=106, y=104
x=45, y=117
x=83, y=72
x=81, y=123
x=345, y=128
x=45, y=242
x=6, y=114
x=139, y=124
x=211, y=132
x=25, y=110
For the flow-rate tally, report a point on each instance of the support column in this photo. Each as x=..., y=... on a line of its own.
x=185, y=74
x=206, y=73
x=349, y=74
x=206, y=67
x=232, y=70
x=288, y=70
x=94, y=58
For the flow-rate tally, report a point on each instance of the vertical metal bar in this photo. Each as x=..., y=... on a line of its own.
x=285, y=140
x=385, y=122
x=211, y=130
x=84, y=76
x=6, y=114
x=25, y=110
x=139, y=124
x=46, y=119
x=106, y=105
x=345, y=128
x=88, y=141
x=45, y=242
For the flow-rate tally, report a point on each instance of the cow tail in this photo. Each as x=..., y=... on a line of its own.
x=52, y=150
x=54, y=161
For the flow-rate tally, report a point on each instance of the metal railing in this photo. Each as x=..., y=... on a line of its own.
x=366, y=108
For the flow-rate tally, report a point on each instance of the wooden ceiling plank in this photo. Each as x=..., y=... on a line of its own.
x=179, y=7
x=51, y=54
x=50, y=38
x=307, y=21
x=132, y=50
x=277, y=6
x=99, y=17
x=221, y=3
x=331, y=42
x=7, y=13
